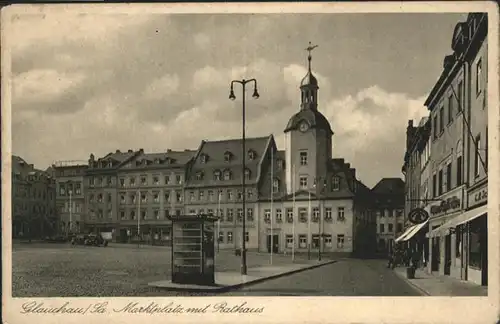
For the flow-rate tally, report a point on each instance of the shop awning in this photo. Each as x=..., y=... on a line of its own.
x=459, y=220
x=410, y=232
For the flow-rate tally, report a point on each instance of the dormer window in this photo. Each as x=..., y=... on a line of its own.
x=199, y=175
x=204, y=158
x=227, y=175
x=335, y=183
x=276, y=185
x=110, y=164
x=227, y=156
x=248, y=174
x=217, y=175
x=157, y=161
x=137, y=163
x=252, y=155
x=145, y=162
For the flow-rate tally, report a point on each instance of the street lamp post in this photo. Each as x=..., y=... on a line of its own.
x=243, y=158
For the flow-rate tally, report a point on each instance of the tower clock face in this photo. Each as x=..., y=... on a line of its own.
x=303, y=127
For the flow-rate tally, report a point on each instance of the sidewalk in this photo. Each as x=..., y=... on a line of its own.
x=225, y=281
x=437, y=285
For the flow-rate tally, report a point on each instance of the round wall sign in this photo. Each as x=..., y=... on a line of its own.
x=418, y=216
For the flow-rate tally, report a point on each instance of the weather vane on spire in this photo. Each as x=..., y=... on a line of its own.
x=309, y=49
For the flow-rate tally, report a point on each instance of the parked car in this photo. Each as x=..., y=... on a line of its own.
x=56, y=239
x=89, y=239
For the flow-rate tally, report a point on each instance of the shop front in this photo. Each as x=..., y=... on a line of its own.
x=445, y=247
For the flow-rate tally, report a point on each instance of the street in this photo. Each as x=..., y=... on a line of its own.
x=349, y=277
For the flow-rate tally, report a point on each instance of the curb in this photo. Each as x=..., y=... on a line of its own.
x=414, y=286
x=249, y=283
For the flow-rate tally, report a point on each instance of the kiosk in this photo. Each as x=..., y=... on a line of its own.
x=193, y=249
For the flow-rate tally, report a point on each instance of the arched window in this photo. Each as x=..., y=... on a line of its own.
x=248, y=174
x=227, y=175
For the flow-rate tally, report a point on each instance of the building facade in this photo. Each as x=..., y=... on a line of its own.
x=70, y=196
x=389, y=195
x=34, y=213
x=458, y=106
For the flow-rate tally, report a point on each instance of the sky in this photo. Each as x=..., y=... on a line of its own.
x=95, y=83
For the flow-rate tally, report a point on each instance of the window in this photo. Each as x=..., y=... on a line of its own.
x=132, y=198
x=302, y=240
x=391, y=228
x=220, y=213
x=440, y=182
x=477, y=155
x=251, y=155
x=229, y=215
x=435, y=127
x=62, y=190
x=340, y=241
x=247, y=237
x=250, y=214
x=156, y=180
x=450, y=108
x=199, y=175
x=167, y=213
x=448, y=177
x=132, y=182
x=178, y=179
x=276, y=185
x=201, y=211
x=167, y=179
x=109, y=197
x=303, y=158
x=289, y=215
x=191, y=196
x=78, y=190
x=192, y=212
x=315, y=214
x=459, y=96
x=247, y=174
x=279, y=216
x=340, y=214
x=335, y=183
x=382, y=229
x=221, y=237
x=177, y=212
x=240, y=214
x=328, y=213
x=315, y=241
x=227, y=175
x=229, y=237
x=167, y=196
x=217, y=175
x=434, y=184
x=249, y=193
x=99, y=197
x=210, y=212
x=289, y=241
x=144, y=198
x=91, y=182
x=210, y=195
x=178, y=196
x=479, y=71
x=279, y=162
x=201, y=195
x=229, y=195
x=459, y=171
x=156, y=197
x=122, y=214
x=144, y=181
x=227, y=156
x=240, y=195
x=303, y=182
x=441, y=119
x=203, y=158
x=303, y=214
x=156, y=213
x=328, y=240
x=132, y=214
x=390, y=213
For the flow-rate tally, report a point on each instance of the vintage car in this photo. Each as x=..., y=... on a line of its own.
x=89, y=239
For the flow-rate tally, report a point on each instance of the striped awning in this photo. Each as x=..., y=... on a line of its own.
x=458, y=220
x=411, y=231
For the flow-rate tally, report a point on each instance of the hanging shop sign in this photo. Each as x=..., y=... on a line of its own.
x=447, y=205
x=478, y=196
x=418, y=216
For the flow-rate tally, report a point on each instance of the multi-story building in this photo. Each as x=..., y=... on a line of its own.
x=34, y=213
x=458, y=106
x=132, y=194
x=70, y=196
x=214, y=187
x=389, y=204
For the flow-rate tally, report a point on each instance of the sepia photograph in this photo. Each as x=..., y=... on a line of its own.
x=223, y=154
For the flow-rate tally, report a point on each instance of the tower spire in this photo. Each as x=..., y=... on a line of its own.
x=309, y=49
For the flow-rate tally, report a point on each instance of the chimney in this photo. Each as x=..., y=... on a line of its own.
x=118, y=151
x=169, y=150
x=410, y=132
x=348, y=165
x=141, y=151
x=130, y=151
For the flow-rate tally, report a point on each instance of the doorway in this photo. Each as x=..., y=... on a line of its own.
x=447, y=255
x=275, y=242
x=484, y=251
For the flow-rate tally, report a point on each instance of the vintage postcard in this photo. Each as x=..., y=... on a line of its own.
x=250, y=162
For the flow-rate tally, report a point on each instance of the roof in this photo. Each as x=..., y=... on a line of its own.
x=211, y=158
x=23, y=169
x=389, y=186
x=169, y=157
x=314, y=118
x=309, y=79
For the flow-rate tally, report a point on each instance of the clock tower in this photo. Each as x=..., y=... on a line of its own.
x=308, y=137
